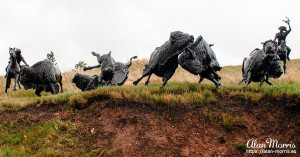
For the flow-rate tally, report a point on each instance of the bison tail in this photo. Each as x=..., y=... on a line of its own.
x=130, y=62
x=254, y=51
x=243, y=68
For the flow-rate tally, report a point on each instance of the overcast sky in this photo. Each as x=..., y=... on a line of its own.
x=74, y=28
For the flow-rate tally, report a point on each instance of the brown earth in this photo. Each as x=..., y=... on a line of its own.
x=128, y=128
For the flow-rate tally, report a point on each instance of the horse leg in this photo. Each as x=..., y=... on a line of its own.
x=19, y=84
x=8, y=80
x=147, y=82
x=284, y=66
x=16, y=82
x=288, y=53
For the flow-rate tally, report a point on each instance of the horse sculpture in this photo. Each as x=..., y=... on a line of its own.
x=13, y=70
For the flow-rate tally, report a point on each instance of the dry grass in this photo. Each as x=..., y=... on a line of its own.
x=231, y=75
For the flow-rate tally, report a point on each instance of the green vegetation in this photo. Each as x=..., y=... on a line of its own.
x=181, y=94
x=53, y=138
x=242, y=147
x=80, y=65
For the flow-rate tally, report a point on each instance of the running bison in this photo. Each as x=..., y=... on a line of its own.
x=261, y=65
x=42, y=76
x=200, y=59
x=164, y=60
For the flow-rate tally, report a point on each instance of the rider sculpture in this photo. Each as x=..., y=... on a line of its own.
x=281, y=36
x=19, y=58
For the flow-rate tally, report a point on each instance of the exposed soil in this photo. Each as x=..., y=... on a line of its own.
x=129, y=128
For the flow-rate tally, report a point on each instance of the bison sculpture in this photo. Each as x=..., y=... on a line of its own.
x=164, y=59
x=42, y=76
x=200, y=59
x=261, y=65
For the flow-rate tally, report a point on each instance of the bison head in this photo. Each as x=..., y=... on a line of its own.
x=26, y=75
x=272, y=61
x=269, y=47
x=180, y=40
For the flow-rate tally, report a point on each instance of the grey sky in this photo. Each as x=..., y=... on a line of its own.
x=73, y=28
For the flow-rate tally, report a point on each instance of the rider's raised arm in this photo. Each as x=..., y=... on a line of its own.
x=23, y=60
x=290, y=29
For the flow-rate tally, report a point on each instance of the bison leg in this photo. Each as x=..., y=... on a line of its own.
x=147, y=82
x=61, y=85
x=248, y=80
x=8, y=80
x=268, y=82
x=147, y=73
x=262, y=81
x=217, y=84
x=243, y=80
x=52, y=88
x=201, y=79
x=100, y=78
x=38, y=91
x=166, y=78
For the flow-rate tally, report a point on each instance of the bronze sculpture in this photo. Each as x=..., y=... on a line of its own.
x=164, y=60
x=261, y=65
x=13, y=68
x=200, y=59
x=112, y=73
x=42, y=76
x=281, y=36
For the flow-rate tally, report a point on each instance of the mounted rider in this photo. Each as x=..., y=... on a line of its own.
x=281, y=36
x=19, y=58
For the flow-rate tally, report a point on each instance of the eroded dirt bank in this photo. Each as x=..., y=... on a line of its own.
x=129, y=128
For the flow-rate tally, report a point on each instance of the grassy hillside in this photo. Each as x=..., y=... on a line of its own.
x=183, y=119
x=231, y=75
